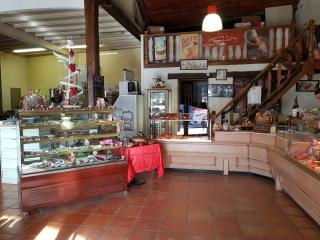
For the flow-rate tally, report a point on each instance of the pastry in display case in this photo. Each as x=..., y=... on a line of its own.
x=183, y=126
x=69, y=155
x=55, y=140
x=304, y=149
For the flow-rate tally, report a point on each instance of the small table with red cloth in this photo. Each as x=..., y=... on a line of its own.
x=142, y=159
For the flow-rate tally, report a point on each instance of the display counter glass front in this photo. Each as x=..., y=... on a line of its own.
x=304, y=148
x=57, y=140
x=180, y=126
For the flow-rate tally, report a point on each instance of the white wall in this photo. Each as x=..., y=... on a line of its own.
x=213, y=103
x=307, y=10
x=305, y=99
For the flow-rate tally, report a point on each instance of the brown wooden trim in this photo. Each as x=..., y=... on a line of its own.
x=63, y=187
x=201, y=76
x=230, y=29
x=274, y=41
x=174, y=49
x=120, y=16
x=212, y=63
x=92, y=38
x=146, y=48
x=143, y=11
x=153, y=51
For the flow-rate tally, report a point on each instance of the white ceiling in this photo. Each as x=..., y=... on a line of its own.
x=57, y=25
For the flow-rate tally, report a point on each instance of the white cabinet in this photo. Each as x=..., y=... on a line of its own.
x=9, y=153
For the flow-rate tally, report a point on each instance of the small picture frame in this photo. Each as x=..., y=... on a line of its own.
x=160, y=48
x=195, y=64
x=307, y=86
x=220, y=90
x=221, y=74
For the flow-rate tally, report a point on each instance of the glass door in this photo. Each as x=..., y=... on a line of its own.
x=158, y=103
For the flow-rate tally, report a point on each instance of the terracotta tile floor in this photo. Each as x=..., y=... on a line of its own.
x=181, y=205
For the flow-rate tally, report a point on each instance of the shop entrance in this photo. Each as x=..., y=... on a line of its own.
x=194, y=100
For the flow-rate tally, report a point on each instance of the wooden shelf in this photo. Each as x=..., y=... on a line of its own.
x=62, y=153
x=29, y=113
x=63, y=139
x=76, y=125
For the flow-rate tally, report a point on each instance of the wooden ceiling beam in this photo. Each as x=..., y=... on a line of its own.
x=143, y=12
x=109, y=25
x=91, y=10
x=120, y=16
x=68, y=33
x=54, y=22
x=20, y=35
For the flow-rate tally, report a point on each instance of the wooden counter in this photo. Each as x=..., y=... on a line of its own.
x=258, y=153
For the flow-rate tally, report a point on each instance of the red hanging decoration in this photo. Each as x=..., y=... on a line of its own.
x=71, y=53
x=72, y=67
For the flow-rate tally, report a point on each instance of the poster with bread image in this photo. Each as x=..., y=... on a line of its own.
x=160, y=48
x=189, y=46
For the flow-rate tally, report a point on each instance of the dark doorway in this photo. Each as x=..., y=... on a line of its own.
x=15, y=94
x=194, y=100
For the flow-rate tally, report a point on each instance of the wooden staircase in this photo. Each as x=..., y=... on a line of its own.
x=289, y=70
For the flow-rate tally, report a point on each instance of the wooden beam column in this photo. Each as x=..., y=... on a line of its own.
x=91, y=11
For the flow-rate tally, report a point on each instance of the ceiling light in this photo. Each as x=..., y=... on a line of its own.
x=27, y=50
x=212, y=22
x=79, y=46
x=108, y=53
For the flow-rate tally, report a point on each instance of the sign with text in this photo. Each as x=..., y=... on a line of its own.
x=189, y=46
x=213, y=39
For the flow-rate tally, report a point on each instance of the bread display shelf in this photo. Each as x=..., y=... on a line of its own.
x=76, y=125
x=70, y=138
x=66, y=152
x=26, y=113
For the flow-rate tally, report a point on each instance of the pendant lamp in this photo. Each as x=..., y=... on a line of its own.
x=212, y=22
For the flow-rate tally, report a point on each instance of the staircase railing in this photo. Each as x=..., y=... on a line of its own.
x=288, y=60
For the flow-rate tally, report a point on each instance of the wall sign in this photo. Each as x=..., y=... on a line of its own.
x=213, y=39
x=189, y=46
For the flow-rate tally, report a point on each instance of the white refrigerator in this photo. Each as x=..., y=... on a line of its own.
x=131, y=108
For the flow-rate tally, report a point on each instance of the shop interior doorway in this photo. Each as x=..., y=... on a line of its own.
x=194, y=100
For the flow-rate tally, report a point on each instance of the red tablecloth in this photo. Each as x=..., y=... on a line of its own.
x=142, y=159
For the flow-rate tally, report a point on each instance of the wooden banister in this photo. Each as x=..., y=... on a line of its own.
x=282, y=81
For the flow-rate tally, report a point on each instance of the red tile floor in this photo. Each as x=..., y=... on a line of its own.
x=178, y=206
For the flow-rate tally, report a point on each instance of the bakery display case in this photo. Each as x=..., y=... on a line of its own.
x=53, y=140
x=69, y=153
x=304, y=149
x=181, y=127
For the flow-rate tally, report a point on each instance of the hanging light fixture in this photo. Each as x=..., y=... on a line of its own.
x=212, y=22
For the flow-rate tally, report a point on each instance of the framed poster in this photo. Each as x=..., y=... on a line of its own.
x=189, y=46
x=258, y=43
x=221, y=74
x=307, y=86
x=199, y=64
x=160, y=48
x=225, y=37
x=220, y=90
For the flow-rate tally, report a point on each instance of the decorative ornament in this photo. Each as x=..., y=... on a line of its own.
x=71, y=53
x=71, y=91
x=158, y=82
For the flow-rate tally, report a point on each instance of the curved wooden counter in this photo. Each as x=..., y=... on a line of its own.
x=258, y=153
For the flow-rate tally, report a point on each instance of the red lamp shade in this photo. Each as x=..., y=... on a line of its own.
x=212, y=22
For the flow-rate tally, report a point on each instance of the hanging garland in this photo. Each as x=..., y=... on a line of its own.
x=72, y=91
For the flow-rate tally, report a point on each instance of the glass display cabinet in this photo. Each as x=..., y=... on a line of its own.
x=158, y=103
x=181, y=126
x=304, y=149
x=61, y=146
